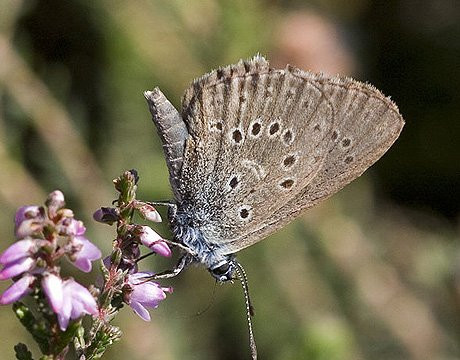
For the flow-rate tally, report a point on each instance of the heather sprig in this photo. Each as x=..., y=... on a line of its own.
x=46, y=236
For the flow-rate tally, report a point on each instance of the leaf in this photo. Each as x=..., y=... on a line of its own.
x=105, y=336
x=22, y=352
x=38, y=329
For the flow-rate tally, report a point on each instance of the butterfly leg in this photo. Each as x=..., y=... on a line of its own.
x=184, y=261
x=172, y=207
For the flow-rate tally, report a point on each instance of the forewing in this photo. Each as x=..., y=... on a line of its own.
x=265, y=144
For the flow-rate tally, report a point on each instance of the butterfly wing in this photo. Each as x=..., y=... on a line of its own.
x=266, y=144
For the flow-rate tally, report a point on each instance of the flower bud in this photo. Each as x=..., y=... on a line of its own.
x=106, y=215
x=148, y=212
x=28, y=220
x=154, y=242
x=55, y=202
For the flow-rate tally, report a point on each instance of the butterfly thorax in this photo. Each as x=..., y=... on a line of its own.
x=187, y=231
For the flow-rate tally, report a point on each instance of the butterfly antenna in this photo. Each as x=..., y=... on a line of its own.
x=249, y=308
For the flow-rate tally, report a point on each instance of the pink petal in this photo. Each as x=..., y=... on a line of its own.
x=64, y=315
x=16, y=291
x=83, y=264
x=17, y=251
x=26, y=212
x=54, y=291
x=89, y=252
x=150, y=213
x=28, y=221
x=149, y=294
x=16, y=268
x=140, y=310
x=148, y=236
x=83, y=299
x=139, y=277
x=76, y=228
x=161, y=248
x=153, y=216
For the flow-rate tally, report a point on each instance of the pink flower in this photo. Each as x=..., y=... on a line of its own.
x=17, y=258
x=144, y=294
x=86, y=250
x=148, y=212
x=75, y=228
x=154, y=242
x=53, y=287
x=68, y=299
x=20, y=249
x=78, y=301
x=28, y=221
x=17, y=290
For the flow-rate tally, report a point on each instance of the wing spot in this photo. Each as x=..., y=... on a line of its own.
x=236, y=136
x=346, y=142
x=289, y=161
x=287, y=184
x=274, y=129
x=335, y=135
x=233, y=182
x=317, y=127
x=256, y=127
x=245, y=213
x=348, y=159
x=288, y=137
x=216, y=126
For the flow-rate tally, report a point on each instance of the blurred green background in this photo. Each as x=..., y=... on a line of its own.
x=373, y=273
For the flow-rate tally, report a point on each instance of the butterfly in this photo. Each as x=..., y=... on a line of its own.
x=253, y=147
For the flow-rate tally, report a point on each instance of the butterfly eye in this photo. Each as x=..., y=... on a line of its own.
x=221, y=270
x=224, y=271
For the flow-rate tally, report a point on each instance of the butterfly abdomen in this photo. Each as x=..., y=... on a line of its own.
x=172, y=131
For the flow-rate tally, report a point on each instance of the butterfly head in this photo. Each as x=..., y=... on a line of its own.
x=223, y=270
